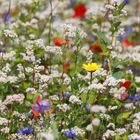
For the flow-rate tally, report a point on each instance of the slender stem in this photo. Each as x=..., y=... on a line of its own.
x=51, y=17
x=91, y=77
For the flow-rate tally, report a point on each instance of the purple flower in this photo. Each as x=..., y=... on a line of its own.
x=127, y=31
x=42, y=106
x=70, y=133
x=6, y=16
x=25, y=131
x=134, y=97
x=87, y=106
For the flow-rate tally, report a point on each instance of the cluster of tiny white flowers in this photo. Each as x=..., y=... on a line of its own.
x=10, y=33
x=53, y=49
x=8, y=56
x=120, y=131
x=10, y=99
x=3, y=121
x=98, y=108
x=63, y=107
x=108, y=134
x=78, y=131
x=71, y=31
x=74, y=100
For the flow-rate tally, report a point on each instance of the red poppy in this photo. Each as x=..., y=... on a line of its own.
x=59, y=41
x=126, y=84
x=96, y=48
x=79, y=10
x=66, y=66
x=127, y=43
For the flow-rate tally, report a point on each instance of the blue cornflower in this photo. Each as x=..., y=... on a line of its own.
x=6, y=16
x=25, y=131
x=126, y=1
x=134, y=97
x=87, y=106
x=127, y=31
x=70, y=133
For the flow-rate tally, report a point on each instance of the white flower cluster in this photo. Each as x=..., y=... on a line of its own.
x=17, y=136
x=100, y=72
x=78, y=131
x=10, y=33
x=5, y=130
x=3, y=121
x=108, y=134
x=73, y=31
x=30, y=90
x=54, y=98
x=74, y=100
x=117, y=93
x=53, y=49
x=98, y=108
x=29, y=55
x=120, y=131
x=8, y=56
x=111, y=81
x=10, y=99
x=63, y=107
x=95, y=85
x=133, y=136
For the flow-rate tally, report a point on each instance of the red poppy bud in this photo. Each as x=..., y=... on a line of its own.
x=59, y=41
x=96, y=48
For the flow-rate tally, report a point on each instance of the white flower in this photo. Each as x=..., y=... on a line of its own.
x=54, y=98
x=3, y=121
x=109, y=134
x=96, y=122
x=48, y=135
x=112, y=125
x=98, y=108
x=53, y=49
x=89, y=127
x=5, y=130
x=129, y=106
x=12, y=79
x=120, y=131
x=133, y=136
x=10, y=33
x=78, y=131
x=137, y=79
x=63, y=107
x=75, y=100
x=30, y=90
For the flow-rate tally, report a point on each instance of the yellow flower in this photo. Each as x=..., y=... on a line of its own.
x=91, y=67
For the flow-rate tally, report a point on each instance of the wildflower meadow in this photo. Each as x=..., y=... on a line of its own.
x=69, y=69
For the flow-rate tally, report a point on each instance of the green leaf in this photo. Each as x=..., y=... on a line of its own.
x=32, y=97
x=103, y=37
x=117, y=137
x=121, y=6
x=123, y=116
x=90, y=99
x=55, y=130
x=118, y=74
